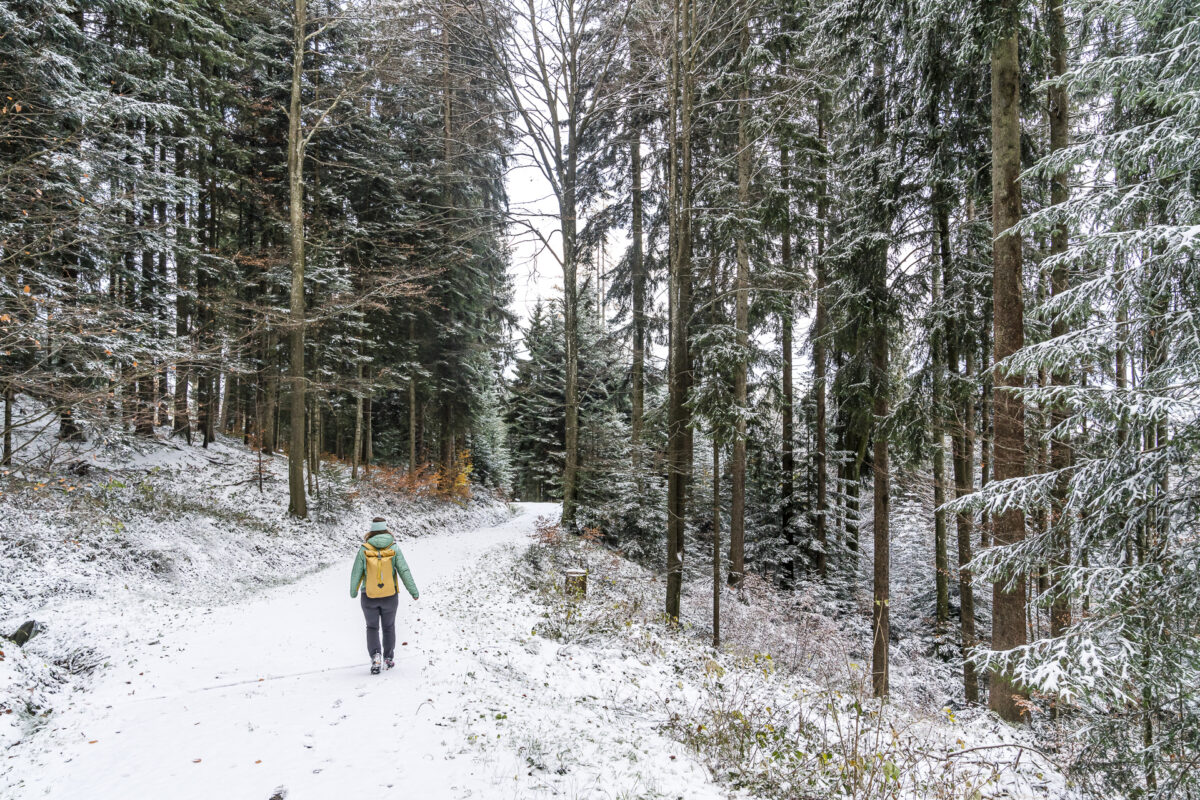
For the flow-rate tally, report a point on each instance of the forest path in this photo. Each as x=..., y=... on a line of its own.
x=273, y=694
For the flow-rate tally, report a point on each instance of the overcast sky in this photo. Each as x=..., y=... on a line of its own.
x=536, y=272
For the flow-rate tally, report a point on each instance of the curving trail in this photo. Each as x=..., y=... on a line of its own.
x=272, y=696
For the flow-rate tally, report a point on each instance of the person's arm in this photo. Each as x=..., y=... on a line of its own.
x=400, y=566
x=357, y=572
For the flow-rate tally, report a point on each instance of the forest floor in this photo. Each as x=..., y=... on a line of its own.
x=196, y=643
x=272, y=696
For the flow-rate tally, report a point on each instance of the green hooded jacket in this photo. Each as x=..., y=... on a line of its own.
x=382, y=541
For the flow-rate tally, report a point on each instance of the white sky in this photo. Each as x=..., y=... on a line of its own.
x=536, y=273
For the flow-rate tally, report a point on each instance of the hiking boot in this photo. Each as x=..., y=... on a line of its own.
x=375, y=661
x=390, y=662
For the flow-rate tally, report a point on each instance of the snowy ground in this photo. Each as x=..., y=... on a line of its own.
x=199, y=643
x=272, y=694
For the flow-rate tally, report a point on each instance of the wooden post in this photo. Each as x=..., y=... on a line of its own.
x=575, y=583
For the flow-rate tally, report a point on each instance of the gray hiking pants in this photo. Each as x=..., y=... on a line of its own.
x=381, y=610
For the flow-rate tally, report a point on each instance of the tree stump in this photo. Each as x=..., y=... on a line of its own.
x=575, y=583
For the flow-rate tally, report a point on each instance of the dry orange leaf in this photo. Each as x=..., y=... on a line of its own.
x=93, y=741
x=195, y=761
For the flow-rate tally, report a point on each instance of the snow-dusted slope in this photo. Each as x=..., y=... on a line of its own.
x=273, y=693
x=151, y=529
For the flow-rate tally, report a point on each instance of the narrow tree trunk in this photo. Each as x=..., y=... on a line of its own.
x=181, y=423
x=941, y=564
x=368, y=448
x=270, y=425
x=227, y=415
x=737, y=509
x=1060, y=446
x=788, y=457
x=819, y=358
x=964, y=462
x=715, y=311
x=716, y=550
x=358, y=424
x=638, y=274
x=853, y=484
x=144, y=418
x=204, y=402
x=880, y=617
x=9, y=400
x=298, y=502
x=446, y=443
x=985, y=447
x=412, y=404
x=880, y=629
x=680, y=303
x=571, y=355
x=1008, y=597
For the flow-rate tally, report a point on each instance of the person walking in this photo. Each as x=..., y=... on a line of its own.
x=379, y=568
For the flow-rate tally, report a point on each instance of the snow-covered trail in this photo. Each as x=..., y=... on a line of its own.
x=274, y=693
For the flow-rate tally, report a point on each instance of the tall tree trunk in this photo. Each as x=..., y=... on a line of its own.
x=446, y=444
x=638, y=274
x=571, y=351
x=181, y=423
x=962, y=455
x=939, y=273
x=819, y=357
x=716, y=549
x=227, y=413
x=679, y=431
x=880, y=628
x=714, y=320
x=358, y=424
x=270, y=425
x=964, y=463
x=737, y=509
x=144, y=418
x=881, y=585
x=788, y=459
x=941, y=559
x=412, y=403
x=298, y=502
x=985, y=398
x=368, y=448
x=1008, y=597
x=1060, y=446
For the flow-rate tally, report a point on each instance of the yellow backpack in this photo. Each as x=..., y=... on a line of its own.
x=380, y=578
